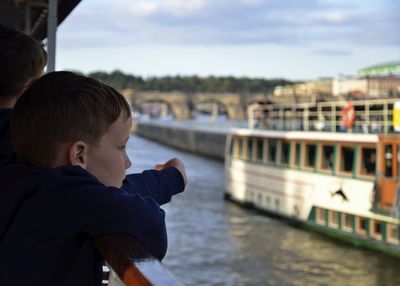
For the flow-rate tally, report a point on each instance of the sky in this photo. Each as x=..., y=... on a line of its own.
x=290, y=39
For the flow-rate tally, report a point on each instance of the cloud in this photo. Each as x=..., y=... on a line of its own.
x=210, y=22
x=332, y=52
x=334, y=17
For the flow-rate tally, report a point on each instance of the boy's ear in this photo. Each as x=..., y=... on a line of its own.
x=77, y=154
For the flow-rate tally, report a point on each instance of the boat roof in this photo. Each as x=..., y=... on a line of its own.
x=13, y=14
x=307, y=135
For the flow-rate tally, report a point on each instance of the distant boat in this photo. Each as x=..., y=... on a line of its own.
x=333, y=167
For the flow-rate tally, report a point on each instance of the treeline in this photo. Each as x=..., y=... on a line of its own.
x=189, y=84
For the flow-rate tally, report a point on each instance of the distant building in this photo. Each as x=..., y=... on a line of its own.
x=382, y=80
x=377, y=86
x=378, y=81
x=320, y=87
x=286, y=90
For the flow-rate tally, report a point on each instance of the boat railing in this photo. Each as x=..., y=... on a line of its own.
x=370, y=116
x=131, y=264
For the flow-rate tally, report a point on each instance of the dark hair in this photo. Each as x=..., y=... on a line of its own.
x=62, y=107
x=22, y=58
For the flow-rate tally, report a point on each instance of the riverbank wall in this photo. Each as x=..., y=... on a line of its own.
x=208, y=142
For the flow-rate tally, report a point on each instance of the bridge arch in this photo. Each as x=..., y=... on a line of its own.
x=181, y=103
x=177, y=102
x=231, y=102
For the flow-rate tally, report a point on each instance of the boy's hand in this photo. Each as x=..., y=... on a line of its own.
x=176, y=163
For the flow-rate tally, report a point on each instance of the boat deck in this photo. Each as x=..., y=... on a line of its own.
x=378, y=116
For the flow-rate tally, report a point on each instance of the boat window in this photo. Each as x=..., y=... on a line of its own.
x=285, y=153
x=361, y=224
x=241, y=143
x=346, y=159
x=232, y=147
x=249, y=148
x=311, y=152
x=272, y=146
x=347, y=222
x=260, y=149
x=376, y=229
x=392, y=233
x=328, y=153
x=277, y=203
x=249, y=195
x=321, y=216
x=236, y=148
x=333, y=219
x=368, y=161
x=388, y=160
x=297, y=155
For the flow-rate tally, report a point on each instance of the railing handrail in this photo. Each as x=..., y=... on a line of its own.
x=132, y=263
x=371, y=116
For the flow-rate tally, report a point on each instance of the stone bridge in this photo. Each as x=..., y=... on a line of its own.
x=183, y=105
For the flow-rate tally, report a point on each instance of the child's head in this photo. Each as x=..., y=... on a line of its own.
x=22, y=59
x=68, y=119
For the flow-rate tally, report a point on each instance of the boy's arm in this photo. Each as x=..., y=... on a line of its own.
x=83, y=205
x=161, y=184
x=176, y=163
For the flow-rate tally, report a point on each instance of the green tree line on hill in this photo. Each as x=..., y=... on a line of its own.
x=188, y=84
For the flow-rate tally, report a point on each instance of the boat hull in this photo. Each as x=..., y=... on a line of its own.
x=310, y=199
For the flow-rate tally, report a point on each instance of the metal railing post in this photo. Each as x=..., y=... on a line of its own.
x=51, y=34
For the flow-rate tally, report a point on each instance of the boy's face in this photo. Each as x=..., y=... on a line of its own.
x=107, y=160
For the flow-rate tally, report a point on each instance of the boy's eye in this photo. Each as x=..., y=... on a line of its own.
x=122, y=147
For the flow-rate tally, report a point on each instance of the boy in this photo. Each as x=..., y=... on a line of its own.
x=70, y=133
x=22, y=59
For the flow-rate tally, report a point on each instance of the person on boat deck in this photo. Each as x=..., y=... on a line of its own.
x=66, y=188
x=22, y=60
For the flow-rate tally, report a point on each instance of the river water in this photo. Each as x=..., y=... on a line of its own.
x=215, y=242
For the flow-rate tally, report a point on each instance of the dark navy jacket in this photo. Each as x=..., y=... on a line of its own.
x=49, y=217
x=6, y=153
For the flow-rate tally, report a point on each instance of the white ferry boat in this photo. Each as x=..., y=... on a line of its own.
x=332, y=167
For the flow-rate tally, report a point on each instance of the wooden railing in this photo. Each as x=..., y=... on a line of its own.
x=132, y=264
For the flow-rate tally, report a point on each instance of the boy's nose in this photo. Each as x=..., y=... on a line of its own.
x=128, y=162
